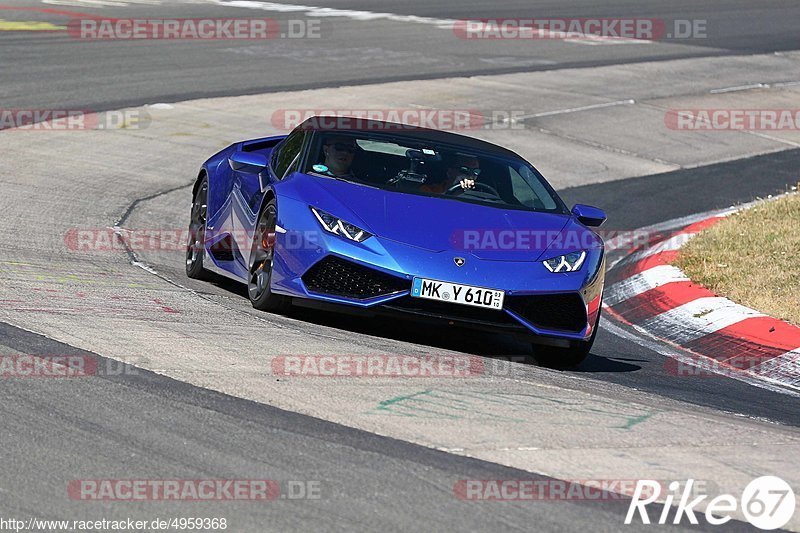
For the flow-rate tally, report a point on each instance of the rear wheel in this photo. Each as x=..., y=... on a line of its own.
x=195, y=247
x=261, y=259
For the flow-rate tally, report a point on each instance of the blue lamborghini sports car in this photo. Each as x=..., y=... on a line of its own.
x=393, y=219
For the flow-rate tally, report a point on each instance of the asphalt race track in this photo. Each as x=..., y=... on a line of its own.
x=54, y=70
x=183, y=388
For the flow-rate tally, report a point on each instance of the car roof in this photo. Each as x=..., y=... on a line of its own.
x=345, y=125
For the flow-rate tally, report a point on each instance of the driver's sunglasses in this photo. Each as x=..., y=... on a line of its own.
x=467, y=170
x=341, y=147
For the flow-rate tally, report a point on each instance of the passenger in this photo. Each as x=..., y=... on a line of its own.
x=339, y=153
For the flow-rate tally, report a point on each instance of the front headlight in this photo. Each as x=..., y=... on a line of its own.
x=339, y=227
x=565, y=263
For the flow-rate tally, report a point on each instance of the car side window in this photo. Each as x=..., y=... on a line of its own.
x=530, y=192
x=292, y=166
x=287, y=153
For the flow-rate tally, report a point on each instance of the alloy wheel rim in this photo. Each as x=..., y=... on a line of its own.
x=197, y=226
x=263, y=253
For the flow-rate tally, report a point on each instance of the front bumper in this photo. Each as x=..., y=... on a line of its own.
x=376, y=275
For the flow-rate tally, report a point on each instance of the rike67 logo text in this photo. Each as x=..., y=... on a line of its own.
x=767, y=503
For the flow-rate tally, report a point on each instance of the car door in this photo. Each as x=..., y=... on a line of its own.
x=250, y=188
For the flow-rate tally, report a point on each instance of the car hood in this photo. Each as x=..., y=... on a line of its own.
x=437, y=224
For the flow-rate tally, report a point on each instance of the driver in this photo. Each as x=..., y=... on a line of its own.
x=463, y=170
x=339, y=152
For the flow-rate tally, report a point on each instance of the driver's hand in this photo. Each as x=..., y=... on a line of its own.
x=467, y=183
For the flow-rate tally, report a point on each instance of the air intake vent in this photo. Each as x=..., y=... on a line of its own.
x=340, y=277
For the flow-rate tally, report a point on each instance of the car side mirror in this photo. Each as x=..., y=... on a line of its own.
x=588, y=215
x=248, y=162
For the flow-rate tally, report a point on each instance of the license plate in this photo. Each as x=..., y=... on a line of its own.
x=444, y=291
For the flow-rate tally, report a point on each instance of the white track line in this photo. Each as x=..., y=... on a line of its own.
x=594, y=40
x=642, y=282
x=738, y=88
x=782, y=368
x=314, y=11
x=366, y=16
x=576, y=109
x=83, y=3
x=648, y=340
x=668, y=245
x=698, y=318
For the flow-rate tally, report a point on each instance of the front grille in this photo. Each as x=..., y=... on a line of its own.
x=565, y=312
x=340, y=277
x=450, y=311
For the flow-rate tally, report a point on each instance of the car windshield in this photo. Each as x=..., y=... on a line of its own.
x=414, y=166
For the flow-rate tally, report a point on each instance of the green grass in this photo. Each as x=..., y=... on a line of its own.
x=752, y=257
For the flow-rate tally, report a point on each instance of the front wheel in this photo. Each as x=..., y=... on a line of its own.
x=261, y=259
x=195, y=248
x=571, y=357
x=552, y=357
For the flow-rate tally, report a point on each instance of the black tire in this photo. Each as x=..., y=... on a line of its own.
x=553, y=357
x=195, y=247
x=260, y=268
